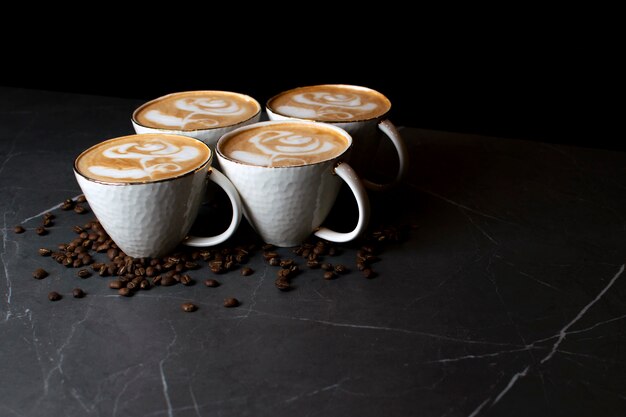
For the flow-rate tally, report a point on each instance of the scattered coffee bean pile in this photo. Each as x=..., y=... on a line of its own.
x=129, y=275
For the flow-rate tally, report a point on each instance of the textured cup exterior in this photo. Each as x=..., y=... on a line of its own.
x=147, y=220
x=284, y=205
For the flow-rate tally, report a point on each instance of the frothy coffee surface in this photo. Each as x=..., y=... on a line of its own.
x=284, y=144
x=196, y=110
x=338, y=103
x=142, y=158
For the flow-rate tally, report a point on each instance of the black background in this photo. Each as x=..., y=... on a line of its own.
x=525, y=79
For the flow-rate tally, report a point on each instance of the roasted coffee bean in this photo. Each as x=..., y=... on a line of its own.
x=176, y=277
x=326, y=266
x=144, y=284
x=40, y=273
x=124, y=292
x=169, y=265
x=41, y=231
x=48, y=222
x=191, y=265
x=298, y=250
x=116, y=284
x=67, y=204
x=361, y=266
x=103, y=271
x=54, y=296
x=313, y=264
x=167, y=281
x=186, y=280
x=102, y=247
x=189, y=307
x=96, y=266
x=306, y=252
x=267, y=247
x=77, y=263
x=150, y=272
x=68, y=262
x=19, y=229
x=282, y=284
x=78, y=293
x=217, y=268
x=48, y=216
x=80, y=209
x=246, y=271
x=284, y=274
x=312, y=256
x=44, y=252
x=140, y=272
x=332, y=251
x=84, y=273
x=274, y=261
x=211, y=283
x=270, y=255
x=319, y=250
x=241, y=258
x=112, y=253
x=81, y=199
x=87, y=259
x=341, y=269
x=131, y=285
x=294, y=269
x=62, y=247
x=79, y=231
x=231, y=302
x=286, y=263
x=368, y=273
x=156, y=280
x=329, y=275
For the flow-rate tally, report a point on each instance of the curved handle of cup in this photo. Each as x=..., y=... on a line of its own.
x=347, y=174
x=221, y=180
x=392, y=133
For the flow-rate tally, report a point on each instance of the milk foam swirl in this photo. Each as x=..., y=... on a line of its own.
x=328, y=105
x=149, y=160
x=202, y=111
x=282, y=147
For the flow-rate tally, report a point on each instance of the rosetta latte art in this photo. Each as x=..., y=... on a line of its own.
x=282, y=147
x=205, y=112
x=148, y=160
x=327, y=105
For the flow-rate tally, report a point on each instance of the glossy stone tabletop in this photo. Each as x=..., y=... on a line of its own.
x=505, y=294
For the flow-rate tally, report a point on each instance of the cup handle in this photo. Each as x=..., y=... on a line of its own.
x=392, y=133
x=224, y=183
x=347, y=174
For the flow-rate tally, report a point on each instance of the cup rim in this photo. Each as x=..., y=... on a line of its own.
x=269, y=108
x=147, y=103
x=145, y=182
x=336, y=129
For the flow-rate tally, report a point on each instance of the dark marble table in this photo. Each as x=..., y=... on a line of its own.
x=505, y=297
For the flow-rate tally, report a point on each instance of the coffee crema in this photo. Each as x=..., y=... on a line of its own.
x=196, y=110
x=284, y=144
x=142, y=158
x=330, y=103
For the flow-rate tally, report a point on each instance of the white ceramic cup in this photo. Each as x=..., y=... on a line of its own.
x=208, y=135
x=149, y=219
x=287, y=204
x=366, y=136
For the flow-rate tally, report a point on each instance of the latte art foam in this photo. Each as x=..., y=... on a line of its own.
x=287, y=144
x=196, y=110
x=142, y=158
x=331, y=103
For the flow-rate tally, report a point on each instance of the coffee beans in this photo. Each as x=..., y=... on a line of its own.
x=329, y=275
x=189, y=307
x=231, y=302
x=54, y=296
x=40, y=273
x=41, y=231
x=68, y=204
x=78, y=293
x=246, y=271
x=45, y=252
x=124, y=292
x=19, y=229
x=84, y=273
x=211, y=283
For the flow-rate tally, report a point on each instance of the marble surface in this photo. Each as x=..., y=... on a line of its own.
x=507, y=295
